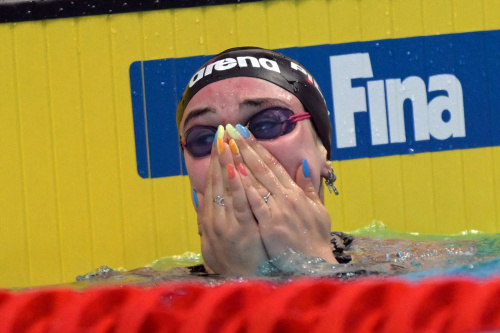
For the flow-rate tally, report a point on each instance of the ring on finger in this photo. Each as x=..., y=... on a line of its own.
x=219, y=200
x=266, y=198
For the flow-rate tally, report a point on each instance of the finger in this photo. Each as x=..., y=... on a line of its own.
x=260, y=209
x=205, y=218
x=237, y=158
x=199, y=205
x=219, y=195
x=303, y=180
x=208, y=194
x=237, y=200
x=262, y=167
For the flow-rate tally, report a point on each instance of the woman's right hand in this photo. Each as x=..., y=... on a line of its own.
x=230, y=239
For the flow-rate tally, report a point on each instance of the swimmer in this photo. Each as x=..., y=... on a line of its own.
x=255, y=133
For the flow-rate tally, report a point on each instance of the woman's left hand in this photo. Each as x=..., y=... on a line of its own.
x=294, y=217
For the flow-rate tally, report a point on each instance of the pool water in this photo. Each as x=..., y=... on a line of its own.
x=375, y=250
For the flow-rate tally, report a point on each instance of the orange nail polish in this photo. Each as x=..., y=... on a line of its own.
x=242, y=170
x=230, y=171
x=234, y=147
x=220, y=146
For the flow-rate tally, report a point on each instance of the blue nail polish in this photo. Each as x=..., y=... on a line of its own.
x=305, y=168
x=243, y=131
x=216, y=136
x=195, y=198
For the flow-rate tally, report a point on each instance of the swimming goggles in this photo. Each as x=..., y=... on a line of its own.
x=265, y=125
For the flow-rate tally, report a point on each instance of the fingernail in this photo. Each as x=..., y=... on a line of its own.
x=219, y=134
x=230, y=171
x=234, y=147
x=242, y=170
x=232, y=131
x=220, y=146
x=305, y=168
x=195, y=198
x=243, y=131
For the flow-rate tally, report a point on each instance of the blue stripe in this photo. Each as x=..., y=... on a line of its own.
x=470, y=60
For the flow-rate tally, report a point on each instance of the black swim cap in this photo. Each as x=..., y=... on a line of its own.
x=268, y=65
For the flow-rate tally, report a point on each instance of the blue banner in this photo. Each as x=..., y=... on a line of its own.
x=386, y=97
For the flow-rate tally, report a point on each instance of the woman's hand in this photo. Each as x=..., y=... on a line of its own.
x=293, y=218
x=230, y=238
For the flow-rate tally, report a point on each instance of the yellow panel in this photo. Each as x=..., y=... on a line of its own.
x=449, y=191
x=282, y=29
x=467, y=15
x=438, y=17
x=221, y=34
x=388, y=199
x=158, y=33
x=13, y=230
x=172, y=200
x=344, y=21
x=309, y=14
x=491, y=10
x=139, y=227
x=69, y=148
x=496, y=179
x=169, y=195
x=37, y=139
x=406, y=18
x=479, y=187
x=375, y=19
x=249, y=33
x=356, y=184
x=99, y=119
x=190, y=36
x=418, y=193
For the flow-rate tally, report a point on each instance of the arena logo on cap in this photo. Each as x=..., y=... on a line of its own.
x=228, y=63
x=441, y=117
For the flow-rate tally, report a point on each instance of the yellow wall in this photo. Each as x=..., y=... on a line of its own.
x=71, y=199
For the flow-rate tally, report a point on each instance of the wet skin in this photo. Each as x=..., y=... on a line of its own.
x=246, y=231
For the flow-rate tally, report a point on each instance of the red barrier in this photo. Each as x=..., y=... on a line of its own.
x=308, y=305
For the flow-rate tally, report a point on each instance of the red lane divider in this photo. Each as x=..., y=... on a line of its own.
x=304, y=305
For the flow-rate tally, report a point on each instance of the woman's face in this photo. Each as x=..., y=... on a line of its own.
x=235, y=101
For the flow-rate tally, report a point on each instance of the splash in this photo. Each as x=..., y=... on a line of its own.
x=376, y=250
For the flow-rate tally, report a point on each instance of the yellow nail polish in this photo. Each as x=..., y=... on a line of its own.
x=220, y=132
x=220, y=146
x=234, y=147
x=232, y=131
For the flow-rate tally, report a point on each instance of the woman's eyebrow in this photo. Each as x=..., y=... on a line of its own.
x=259, y=102
x=197, y=113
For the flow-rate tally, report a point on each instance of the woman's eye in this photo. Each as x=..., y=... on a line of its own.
x=263, y=124
x=204, y=138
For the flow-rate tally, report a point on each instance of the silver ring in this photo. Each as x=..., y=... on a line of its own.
x=266, y=198
x=219, y=200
